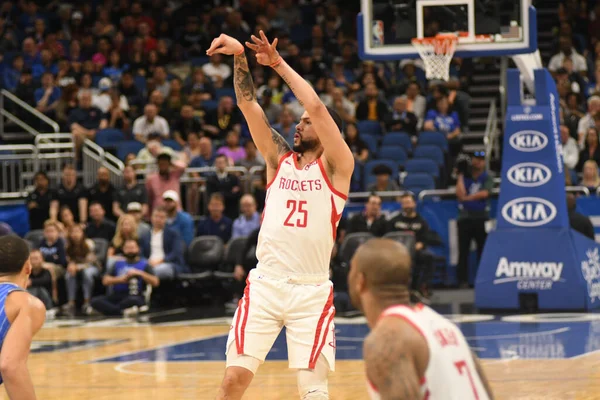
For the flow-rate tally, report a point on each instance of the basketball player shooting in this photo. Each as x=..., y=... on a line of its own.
x=21, y=316
x=412, y=352
x=306, y=194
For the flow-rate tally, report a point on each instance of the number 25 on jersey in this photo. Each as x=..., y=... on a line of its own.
x=298, y=214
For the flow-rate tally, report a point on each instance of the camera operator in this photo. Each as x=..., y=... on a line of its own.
x=473, y=188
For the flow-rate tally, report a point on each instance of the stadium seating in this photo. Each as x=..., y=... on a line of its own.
x=109, y=138
x=398, y=139
x=433, y=139
x=128, y=146
x=394, y=153
x=424, y=165
x=406, y=238
x=351, y=242
x=371, y=142
x=205, y=254
x=369, y=166
x=35, y=236
x=430, y=152
x=232, y=255
x=417, y=182
x=368, y=127
x=172, y=144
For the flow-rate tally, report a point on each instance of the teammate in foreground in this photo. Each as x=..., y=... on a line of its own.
x=21, y=316
x=412, y=352
x=306, y=194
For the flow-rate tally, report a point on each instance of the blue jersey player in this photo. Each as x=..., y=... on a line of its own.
x=21, y=316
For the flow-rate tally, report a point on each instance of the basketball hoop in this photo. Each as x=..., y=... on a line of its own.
x=437, y=52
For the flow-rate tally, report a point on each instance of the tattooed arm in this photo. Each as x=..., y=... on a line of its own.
x=396, y=356
x=268, y=141
x=482, y=376
x=337, y=153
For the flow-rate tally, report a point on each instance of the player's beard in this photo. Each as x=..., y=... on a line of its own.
x=306, y=145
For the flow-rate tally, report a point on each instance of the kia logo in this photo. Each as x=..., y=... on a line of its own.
x=529, y=174
x=528, y=141
x=529, y=212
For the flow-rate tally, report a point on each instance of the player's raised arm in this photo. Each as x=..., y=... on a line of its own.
x=268, y=141
x=336, y=152
x=15, y=349
x=395, y=359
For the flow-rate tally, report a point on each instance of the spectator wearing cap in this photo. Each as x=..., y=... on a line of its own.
x=400, y=119
x=372, y=108
x=130, y=192
x=177, y=219
x=216, y=223
x=217, y=70
x=232, y=149
x=12, y=75
x=370, y=220
x=99, y=227
x=86, y=119
x=103, y=100
x=46, y=97
x=42, y=202
x=249, y=219
x=135, y=209
x=149, y=123
x=186, y=124
x=383, y=183
x=473, y=192
x=103, y=192
x=166, y=178
x=225, y=183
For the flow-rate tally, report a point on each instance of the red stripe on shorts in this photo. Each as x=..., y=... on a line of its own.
x=239, y=339
x=316, y=350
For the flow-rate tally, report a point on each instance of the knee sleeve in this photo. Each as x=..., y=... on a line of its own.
x=312, y=383
x=241, y=360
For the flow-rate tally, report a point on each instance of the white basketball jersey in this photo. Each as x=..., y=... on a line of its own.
x=300, y=219
x=451, y=373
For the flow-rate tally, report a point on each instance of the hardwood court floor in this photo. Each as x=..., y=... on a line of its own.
x=66, y=373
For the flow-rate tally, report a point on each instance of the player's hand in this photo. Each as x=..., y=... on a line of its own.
x=266, y=53
x=225, y=45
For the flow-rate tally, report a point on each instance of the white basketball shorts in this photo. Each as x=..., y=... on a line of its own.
x=268, y=304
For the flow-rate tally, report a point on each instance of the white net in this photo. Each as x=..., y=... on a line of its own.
x=437, y=52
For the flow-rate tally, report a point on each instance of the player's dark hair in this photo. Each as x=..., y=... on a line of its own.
x=14, y=252
x=336, y=118
x=408, y=194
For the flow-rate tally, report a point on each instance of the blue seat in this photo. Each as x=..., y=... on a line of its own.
x=369, y=127
x=128, y=146
x=369, y=177
x=371, y=142
x=422, y=166
x=225, y=92
x=398, y=139
x=417, y=182
x=199, y=61
x=430, y=152
x=394, y=153
x=109, y=138
x=140, y=83
x=210, y=105
x=434, y=139
x=172, y=144
x=356, y=184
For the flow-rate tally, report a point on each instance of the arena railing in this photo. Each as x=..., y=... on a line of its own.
x=19, y=163
x=94, y=157
x=495, y=191
x=7, y=97
x=490, y=138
